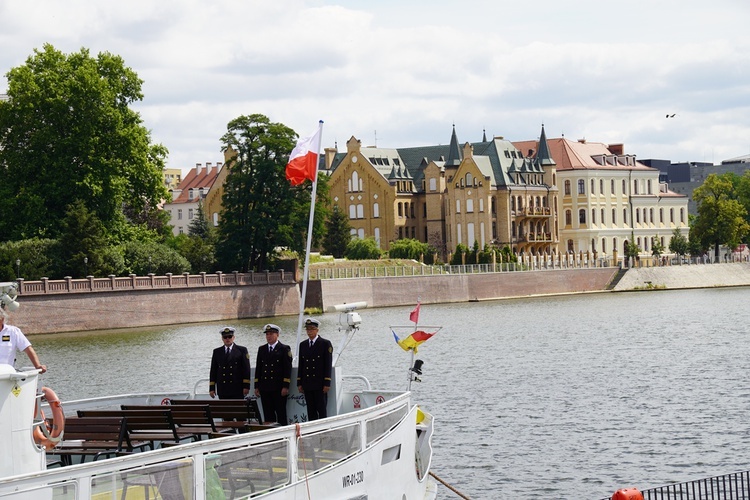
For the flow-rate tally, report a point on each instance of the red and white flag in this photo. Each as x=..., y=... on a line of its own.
x=303, y=162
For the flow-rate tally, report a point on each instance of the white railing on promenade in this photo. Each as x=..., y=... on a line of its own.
x=524, y=264
x=133, y=282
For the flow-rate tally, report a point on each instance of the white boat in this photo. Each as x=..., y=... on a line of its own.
x=375, y=445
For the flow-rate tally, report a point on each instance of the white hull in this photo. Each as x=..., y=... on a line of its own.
x=376, y=452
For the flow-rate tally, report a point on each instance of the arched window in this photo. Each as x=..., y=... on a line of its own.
x=355, y=181
x=601, y=186
x=651, y=215
x=604, y=245
x=567, y=187
x=469, y=206
x=375, y=210
x=612, y=186
x=353, y=211
x=582, y=216
x=592, y=186
x=614, y=216
x=671, y=215
x=625, y=216
x=593, y=216
x=661, y=216
x=570, y=246
x=581, y=186
x=433, y=184
x=458, y=207
x=637, y=216
x=360, y=211
x=624, y=191
x=216, y=219
x=377, y=236
x=568, y=218
x=481, y=204
x=400, y=210
x=593, y=245
x=682, y=216
x=468, y=179
x=648, y=189
x=635, y=187
x=361, y=233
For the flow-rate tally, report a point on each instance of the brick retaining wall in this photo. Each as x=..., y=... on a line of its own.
x=107, y=310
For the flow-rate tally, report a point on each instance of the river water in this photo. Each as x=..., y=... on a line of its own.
x=568, y=397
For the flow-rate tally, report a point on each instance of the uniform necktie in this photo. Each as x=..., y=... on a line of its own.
x=226, y=350
x=311, y=343
x=270, y=348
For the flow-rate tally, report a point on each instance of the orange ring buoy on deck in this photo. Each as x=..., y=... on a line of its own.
x=627, y=494
x=44, y=434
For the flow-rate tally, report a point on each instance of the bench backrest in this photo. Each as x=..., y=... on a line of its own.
x=184, y=415
x=139, y=420
x=226, y=409
x=98, y=429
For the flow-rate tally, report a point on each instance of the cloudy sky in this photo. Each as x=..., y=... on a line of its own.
x=401, y=73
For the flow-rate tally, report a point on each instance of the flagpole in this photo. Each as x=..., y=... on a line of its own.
x=309, y=241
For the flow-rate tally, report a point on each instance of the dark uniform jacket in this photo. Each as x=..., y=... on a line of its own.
x=314, y=371
x=273, y=370
x=230, y=374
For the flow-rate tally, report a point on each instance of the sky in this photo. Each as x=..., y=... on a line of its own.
x=403, y=73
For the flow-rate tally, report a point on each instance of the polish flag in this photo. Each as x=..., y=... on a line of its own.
x=303, y=162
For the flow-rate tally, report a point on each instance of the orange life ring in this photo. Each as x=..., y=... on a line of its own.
x=47, y=435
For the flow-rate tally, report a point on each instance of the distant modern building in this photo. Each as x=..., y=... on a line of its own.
x=172, y=178
x=685, y=177
x=191, y=192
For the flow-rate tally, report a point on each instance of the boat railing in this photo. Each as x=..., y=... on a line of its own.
x=725, y=487
x=254, y=462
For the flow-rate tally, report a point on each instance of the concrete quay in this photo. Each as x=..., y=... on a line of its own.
x=686, y=276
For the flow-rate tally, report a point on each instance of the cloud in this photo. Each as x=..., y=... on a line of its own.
x=402, y=73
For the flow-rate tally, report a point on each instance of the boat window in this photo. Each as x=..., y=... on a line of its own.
x=252, y=470
x=377, y=427
x=165, y=477
x=327, y=448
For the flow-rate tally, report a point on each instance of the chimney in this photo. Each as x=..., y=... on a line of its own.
x=198, y=167
x=208, y=167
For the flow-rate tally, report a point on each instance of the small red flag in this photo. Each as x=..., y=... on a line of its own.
x=414, y=315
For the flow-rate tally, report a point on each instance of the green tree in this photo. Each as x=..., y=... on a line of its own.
x=199, y=226
x=82, y=242
x=721, y=218
x=68, y=133
x=408, y=248
x=149, y=257
x=363, y=249
x=632, y=250
x=261, y=211
x=457, y=259
x=338, y=233
x=678, y=244
x=656, y=247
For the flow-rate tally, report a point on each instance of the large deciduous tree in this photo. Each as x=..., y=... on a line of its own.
x=261, y=211
x=67, y=133
x=721, y=218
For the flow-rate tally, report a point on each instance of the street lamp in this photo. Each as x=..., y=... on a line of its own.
x=18, y=268
x=86, y=265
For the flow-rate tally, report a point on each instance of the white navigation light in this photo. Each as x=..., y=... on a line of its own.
x=347, y=307
x=353, y=319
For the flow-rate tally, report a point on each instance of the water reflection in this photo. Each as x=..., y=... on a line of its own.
x=562, y=397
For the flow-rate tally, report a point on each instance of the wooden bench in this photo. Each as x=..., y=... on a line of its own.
x=150, y=425
x=95, y=437
x=240, y=415
x=196, y=419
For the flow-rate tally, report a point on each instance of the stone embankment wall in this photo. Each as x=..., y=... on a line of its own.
x=385, y=292
x=71, y=312
x=686, y=276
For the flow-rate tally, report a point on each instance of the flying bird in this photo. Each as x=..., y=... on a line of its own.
x=671, y=116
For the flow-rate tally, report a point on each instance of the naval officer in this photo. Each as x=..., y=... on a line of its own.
x=314, y=371
x=273, y=374
x=230, y=369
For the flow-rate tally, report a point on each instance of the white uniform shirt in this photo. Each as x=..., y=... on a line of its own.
x=11, y=339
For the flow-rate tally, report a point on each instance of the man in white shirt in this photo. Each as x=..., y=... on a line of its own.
x=12, y=340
